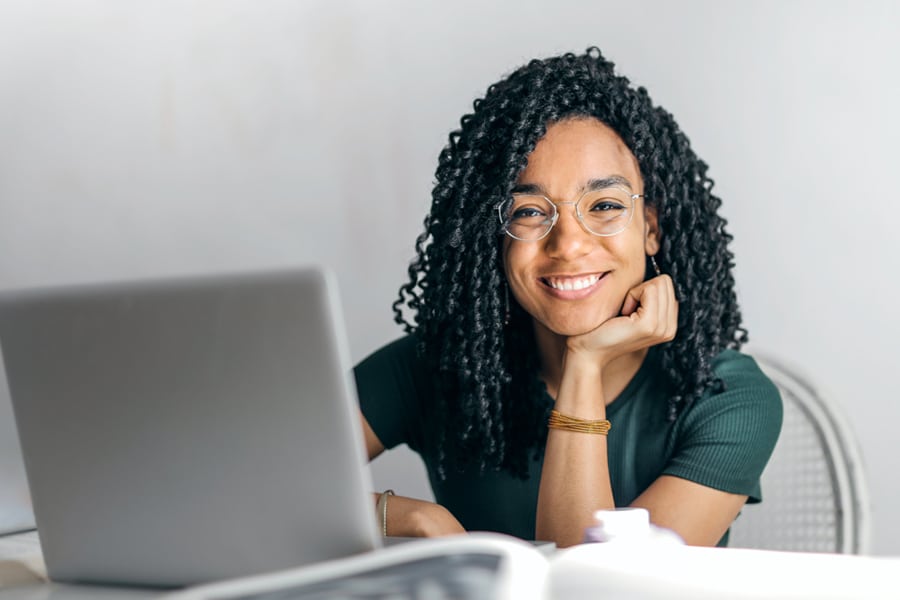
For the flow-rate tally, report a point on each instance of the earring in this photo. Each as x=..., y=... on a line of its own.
x=506, y=305
x=655, y=266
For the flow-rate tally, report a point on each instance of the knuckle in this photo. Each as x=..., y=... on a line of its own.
x=647, y=327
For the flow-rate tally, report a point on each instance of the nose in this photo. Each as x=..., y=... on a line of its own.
x=568, y=239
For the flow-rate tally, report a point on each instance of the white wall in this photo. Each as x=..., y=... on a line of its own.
x=153, y=138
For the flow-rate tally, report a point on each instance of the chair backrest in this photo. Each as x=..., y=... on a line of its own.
x=815, y=497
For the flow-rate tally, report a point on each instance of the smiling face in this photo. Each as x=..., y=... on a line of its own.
x=572, y=281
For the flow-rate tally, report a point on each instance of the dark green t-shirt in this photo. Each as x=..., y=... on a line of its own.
x=723, y=440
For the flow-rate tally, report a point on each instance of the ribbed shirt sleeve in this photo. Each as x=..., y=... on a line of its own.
x=725, y=439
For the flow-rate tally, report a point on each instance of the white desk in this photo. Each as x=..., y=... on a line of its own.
x=23, y=576
x=55, y=591
x=593, y=570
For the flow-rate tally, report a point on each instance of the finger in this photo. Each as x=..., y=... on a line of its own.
x=632, y=301
x=662, y=312
x=672, y=316
x=635, y=298
x=651, y=316
x=647, y=316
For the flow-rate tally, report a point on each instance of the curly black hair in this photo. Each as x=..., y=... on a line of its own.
x=485, y=363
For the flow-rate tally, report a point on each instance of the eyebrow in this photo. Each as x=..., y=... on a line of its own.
x=591, y=186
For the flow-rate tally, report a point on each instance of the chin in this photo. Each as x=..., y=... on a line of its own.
x=573, y=321
x=574, y=331
x=575, y=328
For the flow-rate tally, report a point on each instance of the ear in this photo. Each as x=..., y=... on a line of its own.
x=651, y=230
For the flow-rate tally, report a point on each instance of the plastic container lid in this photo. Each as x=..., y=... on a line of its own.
x=629, y=522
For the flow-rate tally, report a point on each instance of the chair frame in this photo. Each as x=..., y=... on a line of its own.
x=846, y=464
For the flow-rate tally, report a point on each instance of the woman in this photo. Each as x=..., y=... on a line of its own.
x=573, y=342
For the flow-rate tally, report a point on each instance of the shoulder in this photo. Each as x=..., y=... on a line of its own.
x=402, y=349
x=740, y=369
x=394, y=367
x=744, y=381
x=747, y=404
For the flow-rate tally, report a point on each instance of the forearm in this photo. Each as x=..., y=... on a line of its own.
x=575, y=475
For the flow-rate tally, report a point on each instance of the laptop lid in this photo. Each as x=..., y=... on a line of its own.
x=15, y=502
x=184, y=430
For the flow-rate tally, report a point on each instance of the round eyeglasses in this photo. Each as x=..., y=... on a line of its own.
x=603, y=212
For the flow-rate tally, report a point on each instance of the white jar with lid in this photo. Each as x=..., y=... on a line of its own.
x=629, y=525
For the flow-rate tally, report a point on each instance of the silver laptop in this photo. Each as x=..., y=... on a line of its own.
x=15, y=502
x=186, y=430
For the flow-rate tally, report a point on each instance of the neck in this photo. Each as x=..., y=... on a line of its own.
x=615, y=376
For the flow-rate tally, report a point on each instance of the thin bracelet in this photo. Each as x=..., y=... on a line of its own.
x=570, y=423
x=381, y=509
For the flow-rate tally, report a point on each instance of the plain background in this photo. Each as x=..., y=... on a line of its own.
x=141, y=139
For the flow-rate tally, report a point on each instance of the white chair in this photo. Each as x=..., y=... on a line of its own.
x=815, y=497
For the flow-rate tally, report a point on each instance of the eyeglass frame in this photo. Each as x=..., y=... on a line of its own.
x=555, y=218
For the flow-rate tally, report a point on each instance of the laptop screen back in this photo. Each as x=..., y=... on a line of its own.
x=185, y=430
x=15, y=502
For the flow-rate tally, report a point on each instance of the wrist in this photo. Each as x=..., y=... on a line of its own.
x=584, y=362
x=381, y=509
x=409, y=517
x=581, y=388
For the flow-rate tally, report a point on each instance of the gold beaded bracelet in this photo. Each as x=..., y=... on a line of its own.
x=568, y=423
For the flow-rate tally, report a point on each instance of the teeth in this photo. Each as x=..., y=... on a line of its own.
x=570, y=283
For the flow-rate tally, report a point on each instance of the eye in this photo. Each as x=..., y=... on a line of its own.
x=528, y=212
x=526, y=208
x=607, y=205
